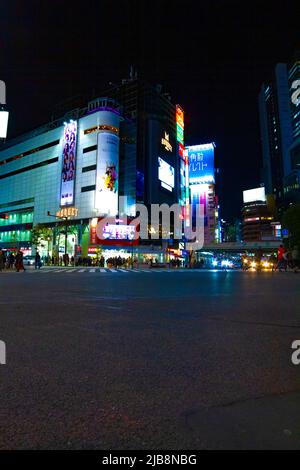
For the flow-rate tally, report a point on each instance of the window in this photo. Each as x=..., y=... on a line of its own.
x=85, y=189
x=88, y=168
x=29, y=152
x=89, y=149
x=28, y=168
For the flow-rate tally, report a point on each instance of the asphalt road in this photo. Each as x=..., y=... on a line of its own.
x=183, y=360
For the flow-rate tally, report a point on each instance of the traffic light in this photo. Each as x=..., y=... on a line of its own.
x=3, y=216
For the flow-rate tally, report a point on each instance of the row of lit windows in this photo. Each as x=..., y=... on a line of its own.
x=15, y=236
x=17, y=218
x=29, y=152
x=113, y=129
x=17, y=203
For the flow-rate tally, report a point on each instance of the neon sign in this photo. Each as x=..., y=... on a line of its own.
x=179, y=124
x=67, y=212
x=166, y=142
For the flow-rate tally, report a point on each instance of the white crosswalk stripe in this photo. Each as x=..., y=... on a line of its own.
x=98, y=270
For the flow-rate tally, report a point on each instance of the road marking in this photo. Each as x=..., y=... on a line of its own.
x=102, y=270
x=81, y=270
x=92, y=270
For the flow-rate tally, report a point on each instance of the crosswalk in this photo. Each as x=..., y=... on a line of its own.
x=94, y=270
x=116, y=271
x=121, y=271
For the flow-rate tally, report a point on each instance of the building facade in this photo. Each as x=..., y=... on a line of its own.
x=69, y=174
x=258, y=218
x=202, y=189
x=276, y=132
x=279, y=112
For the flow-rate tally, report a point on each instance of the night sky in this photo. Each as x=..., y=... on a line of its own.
x=212, y=56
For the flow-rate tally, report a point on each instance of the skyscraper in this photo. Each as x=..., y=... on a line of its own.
x=276, y=132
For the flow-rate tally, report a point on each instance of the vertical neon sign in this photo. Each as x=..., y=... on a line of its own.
x=180, y=124
x=184, y=164
x=68, y=164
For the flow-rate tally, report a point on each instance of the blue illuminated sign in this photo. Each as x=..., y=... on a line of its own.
x=201, y=163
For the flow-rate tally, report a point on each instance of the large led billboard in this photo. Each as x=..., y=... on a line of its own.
x=166, y=174
x=252, y=195
x=201, y=163
x=68, y=164
x=107, y=174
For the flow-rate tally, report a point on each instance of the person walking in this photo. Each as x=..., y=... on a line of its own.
x=285, y=256
x=37, y=261
x=11, y=261
x=2, y=260
x=280, y=260
x=295, y=259
x=19, y=261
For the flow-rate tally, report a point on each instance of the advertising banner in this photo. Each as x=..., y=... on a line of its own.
x=108, y=231
x=201, y=164
x=107, y=175
x=166, y=174
x=68, y=164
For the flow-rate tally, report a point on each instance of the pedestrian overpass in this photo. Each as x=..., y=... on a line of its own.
x=238, y=247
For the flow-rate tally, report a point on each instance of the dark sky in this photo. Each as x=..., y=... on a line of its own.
x=212, y=56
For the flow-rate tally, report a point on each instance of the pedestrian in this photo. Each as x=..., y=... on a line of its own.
x=280, y=260
x=11, y=260
x=37, y=261
x=19, y=261
x=286, y=257
x=295, y=259
x=2, y=260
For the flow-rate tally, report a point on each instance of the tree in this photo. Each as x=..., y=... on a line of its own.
x=39, y=234
x=291, y=221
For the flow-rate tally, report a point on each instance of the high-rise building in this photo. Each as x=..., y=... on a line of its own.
x=202, y=189
x=276, y=132
x=257, y=216
x=291, y=181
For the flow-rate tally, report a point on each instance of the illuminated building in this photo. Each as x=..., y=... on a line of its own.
x=202, y=189
x=84, y=161
x=291, y=182
x=279, y=110
x=276, y=131
x=54, y=167
x=257, y=216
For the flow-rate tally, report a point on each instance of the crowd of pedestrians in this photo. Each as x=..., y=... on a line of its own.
x=11, y=261
x=287, y=259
